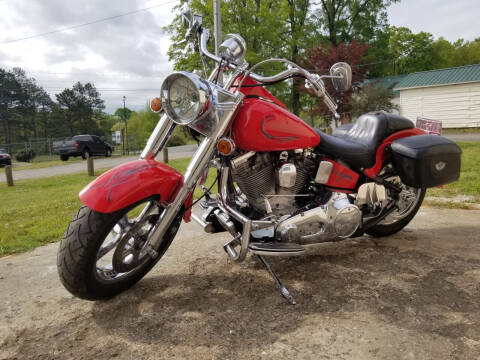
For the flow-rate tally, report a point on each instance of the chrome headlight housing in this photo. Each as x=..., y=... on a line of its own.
x=186, y=97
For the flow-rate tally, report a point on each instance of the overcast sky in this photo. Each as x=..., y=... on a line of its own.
x=127, y=55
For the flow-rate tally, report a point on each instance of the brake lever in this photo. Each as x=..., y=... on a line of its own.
x=330, y=104
x=314, y=82
x=180, y=42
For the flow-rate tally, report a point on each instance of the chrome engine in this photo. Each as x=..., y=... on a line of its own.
x=336, y=219
x=271, y=182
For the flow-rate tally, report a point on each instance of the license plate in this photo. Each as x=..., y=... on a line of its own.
x=430, y=126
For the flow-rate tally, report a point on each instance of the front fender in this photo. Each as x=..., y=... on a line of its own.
x=129, y=183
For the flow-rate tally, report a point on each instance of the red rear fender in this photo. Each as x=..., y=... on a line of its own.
x=381, y=155
x=129, y=183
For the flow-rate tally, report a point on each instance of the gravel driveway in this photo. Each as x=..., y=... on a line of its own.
x=411, y=296
x=176, y=152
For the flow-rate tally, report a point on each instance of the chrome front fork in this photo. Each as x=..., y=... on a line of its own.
x=200, y=161
x=159, y=137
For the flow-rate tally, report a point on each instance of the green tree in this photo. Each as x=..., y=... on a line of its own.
x=344, y=20
x=372, y=97
x=412, y=52
x=122, y=113
x=285, y=28
x=262, y=23
x=10, y=99
x=82, y=106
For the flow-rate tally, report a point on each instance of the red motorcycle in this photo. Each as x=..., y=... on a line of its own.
x=282, y=185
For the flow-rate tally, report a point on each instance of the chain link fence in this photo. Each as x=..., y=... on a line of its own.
x=42, y=148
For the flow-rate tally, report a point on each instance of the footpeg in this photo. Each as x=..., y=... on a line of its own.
x=283, y=290
x=276, y=249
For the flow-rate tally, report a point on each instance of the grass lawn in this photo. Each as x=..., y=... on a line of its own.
x=469, y=182
x=44, y=162
x=461, y=131
x=40, y=164
x=36, y=212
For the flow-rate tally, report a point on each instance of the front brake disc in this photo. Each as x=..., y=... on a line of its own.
x=128, y=253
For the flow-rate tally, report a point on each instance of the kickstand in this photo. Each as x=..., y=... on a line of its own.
x=283, y=290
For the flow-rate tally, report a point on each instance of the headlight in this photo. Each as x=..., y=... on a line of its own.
x=185, y=97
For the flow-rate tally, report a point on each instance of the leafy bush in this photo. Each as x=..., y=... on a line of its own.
x=179, y=137
x=176, y=140
x=25, y=155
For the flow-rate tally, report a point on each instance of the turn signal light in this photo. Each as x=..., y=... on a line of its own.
x=156, y=105
x=225, y=146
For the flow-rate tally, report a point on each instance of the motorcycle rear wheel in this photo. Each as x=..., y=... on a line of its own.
x=88, y=239
x=402, y=215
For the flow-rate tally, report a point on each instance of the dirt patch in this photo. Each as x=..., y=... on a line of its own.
x=414, y=295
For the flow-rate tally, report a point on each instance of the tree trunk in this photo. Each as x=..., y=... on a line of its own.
x=295, y=93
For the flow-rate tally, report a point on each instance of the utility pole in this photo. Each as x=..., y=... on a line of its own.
x=217, y=26
x=125, y=119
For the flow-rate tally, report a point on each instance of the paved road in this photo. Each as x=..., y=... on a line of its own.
x=463, y=137
x=176, y=152
x=410, y=296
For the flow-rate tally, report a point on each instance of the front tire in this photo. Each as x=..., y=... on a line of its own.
x=79, y=253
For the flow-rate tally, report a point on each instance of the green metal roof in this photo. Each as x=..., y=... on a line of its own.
x=457, y=75
x=387, y=83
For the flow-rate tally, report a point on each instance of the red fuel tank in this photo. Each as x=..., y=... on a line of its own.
x=262, y=125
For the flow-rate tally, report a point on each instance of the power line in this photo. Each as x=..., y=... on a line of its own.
x=51, y=88
x=86, y=23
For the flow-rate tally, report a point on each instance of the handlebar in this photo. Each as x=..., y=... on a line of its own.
x=314, y=80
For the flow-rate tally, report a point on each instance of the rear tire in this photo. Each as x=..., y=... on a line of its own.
x=108, y=153
x=77, y=254
x=64, y=157
x=380, y=229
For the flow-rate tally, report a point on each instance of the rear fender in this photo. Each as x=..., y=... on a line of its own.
x=131, y=182
x=382, y=154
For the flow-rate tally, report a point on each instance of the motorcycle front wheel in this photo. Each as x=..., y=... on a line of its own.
x=101, y=255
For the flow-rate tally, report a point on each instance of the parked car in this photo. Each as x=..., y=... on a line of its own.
x=5, y=158
x=82, y=145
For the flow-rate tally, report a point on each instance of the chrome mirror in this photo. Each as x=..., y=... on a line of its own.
x=341, y=75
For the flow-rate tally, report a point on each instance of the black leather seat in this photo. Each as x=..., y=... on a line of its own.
x=357, y=144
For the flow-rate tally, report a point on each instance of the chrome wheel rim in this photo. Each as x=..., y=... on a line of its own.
x=407, y=201
x=123, y=249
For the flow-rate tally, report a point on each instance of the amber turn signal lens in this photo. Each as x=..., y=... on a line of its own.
x=156, y=105
x=225, y=146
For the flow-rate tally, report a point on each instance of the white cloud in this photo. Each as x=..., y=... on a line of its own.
x=447, y=18
x=131, y=52
x=127, y=53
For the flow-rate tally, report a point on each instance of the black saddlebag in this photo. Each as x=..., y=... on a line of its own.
x=426, y=160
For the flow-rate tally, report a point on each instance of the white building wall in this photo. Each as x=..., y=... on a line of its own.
x=457, y=105
x=396, y=101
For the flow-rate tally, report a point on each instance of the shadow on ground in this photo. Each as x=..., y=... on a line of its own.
x=228, y=310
